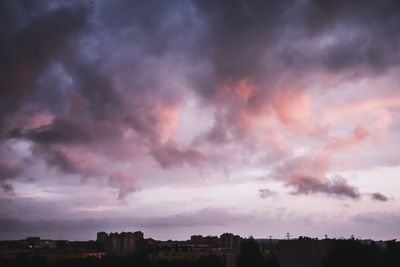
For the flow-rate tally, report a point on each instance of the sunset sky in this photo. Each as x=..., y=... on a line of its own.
x=200, y=117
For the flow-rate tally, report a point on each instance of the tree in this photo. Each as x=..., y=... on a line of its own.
x=250, y=255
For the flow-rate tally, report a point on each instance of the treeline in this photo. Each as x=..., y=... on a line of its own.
x=351, y=252
x=250, y=255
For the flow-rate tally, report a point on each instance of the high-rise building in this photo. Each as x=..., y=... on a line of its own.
x=120, y=244
x=227, y=240
x=101, y=236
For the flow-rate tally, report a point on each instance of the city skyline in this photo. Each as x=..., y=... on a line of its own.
x=257, y=118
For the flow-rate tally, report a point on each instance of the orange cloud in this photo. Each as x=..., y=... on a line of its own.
x=293, y=108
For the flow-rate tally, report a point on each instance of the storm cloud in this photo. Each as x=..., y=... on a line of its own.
x=134, y=95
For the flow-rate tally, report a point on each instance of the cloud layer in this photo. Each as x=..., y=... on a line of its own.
x=134, y=95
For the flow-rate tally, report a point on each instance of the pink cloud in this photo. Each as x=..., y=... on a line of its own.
x=308, y=173
x=374, y=111
x=71, y=159
x=168, y=118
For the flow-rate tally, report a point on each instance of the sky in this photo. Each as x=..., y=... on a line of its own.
x=190, y=117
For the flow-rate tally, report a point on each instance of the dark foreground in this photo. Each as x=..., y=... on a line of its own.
x=295, y=253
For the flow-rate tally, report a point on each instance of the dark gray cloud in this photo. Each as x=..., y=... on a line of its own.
x=7, y=188
x=34, y=38
x=96, y=88
x=336, y=186
x=307, y=175
x=240, y=34
x=9, y=170
x=359, y=35
x=378, y=197
x=58, y=131
x=103, y=74
x=246, y=37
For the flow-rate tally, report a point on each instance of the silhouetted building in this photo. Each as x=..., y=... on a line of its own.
x=229, y=240
x=101, y=236
x=197, y=239
x=212, y=241
x=125, y=243
x=33, y=242
x=303, y=252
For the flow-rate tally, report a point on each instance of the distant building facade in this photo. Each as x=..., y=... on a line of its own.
x=226, y=240
x=303, y=252
x=230, y=241
x=121, y=244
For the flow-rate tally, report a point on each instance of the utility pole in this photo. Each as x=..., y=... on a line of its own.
x=288, y=236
